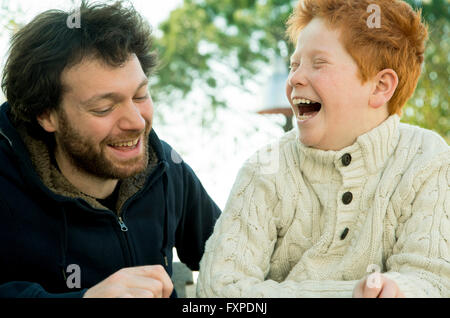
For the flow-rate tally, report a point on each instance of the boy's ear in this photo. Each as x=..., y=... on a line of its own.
x=48, y=120
x=385, y=83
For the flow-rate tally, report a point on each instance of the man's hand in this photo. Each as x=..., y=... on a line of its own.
x=377, y=286
x=142, y=282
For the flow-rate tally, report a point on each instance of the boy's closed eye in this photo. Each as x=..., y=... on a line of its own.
x=319, y=62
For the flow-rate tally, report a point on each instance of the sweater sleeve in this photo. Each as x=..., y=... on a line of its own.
x=420, y=263
x=237, y=256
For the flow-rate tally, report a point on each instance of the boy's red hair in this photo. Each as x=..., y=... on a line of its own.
x=398, y=44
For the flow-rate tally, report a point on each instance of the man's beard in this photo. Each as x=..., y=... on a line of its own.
x=85, y=156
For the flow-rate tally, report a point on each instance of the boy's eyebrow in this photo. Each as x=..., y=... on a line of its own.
x=319, y=51
x=312, y=52
x=112, y=96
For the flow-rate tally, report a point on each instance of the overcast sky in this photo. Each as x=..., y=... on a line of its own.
x=154, y=10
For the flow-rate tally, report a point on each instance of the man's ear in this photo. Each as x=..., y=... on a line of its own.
x=385, y=83
x=48, y=120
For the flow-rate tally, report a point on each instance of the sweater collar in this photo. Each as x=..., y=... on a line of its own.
x=369, y=153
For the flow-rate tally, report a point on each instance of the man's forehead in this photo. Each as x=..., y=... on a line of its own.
x=93, y=76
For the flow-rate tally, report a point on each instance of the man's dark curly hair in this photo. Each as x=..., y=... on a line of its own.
x=42, y=49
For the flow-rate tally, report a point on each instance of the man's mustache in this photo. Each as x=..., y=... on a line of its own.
x=129, y=136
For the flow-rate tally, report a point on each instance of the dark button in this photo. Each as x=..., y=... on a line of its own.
x=346, y=159
x=347, y=197
x=344, y=234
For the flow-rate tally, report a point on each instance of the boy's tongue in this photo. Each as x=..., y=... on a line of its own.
x=307, y=110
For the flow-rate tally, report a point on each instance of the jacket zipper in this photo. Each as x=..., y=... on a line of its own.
x=123, y=227
x=126, y=246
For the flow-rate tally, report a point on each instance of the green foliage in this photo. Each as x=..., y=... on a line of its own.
x=203, y=37
x=429, y=105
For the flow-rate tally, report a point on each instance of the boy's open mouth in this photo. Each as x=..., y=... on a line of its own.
x=306, y=108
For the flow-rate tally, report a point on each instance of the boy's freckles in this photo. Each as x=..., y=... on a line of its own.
x=323, y=71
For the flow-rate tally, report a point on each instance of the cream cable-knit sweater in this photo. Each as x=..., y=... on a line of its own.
x=283, y=231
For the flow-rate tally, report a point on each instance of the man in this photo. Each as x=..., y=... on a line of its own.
x=90, y=201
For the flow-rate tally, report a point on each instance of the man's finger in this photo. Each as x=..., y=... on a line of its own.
x=152, y=285
x=141, y=293
x=156, y=272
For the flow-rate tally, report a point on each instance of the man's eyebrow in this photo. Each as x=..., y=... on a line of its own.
x=111, y=95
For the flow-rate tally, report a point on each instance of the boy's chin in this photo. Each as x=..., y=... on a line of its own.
x=312, y=141
x=309, y=141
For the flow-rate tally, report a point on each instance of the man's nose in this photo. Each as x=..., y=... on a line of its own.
x=131, y=117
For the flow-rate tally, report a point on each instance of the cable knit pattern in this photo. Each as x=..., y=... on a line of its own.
x=281, y=233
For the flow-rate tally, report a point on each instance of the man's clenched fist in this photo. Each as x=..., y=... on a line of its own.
x=150, y=281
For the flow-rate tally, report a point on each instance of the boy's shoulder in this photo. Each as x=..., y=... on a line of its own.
x=423, y=146
x=427, y=140
x=269, y=158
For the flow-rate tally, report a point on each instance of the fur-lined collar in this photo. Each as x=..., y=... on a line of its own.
x=56, y=182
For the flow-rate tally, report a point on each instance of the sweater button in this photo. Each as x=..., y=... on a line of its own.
x=344, y=234
x=347, y=197
x=346, y=159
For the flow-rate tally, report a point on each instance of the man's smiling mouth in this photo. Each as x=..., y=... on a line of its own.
x=306, y=108
x=125, y=144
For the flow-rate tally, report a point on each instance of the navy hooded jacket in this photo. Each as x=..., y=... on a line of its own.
x=44, y=234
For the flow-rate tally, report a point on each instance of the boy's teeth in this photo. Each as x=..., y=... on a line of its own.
x=305, y=116
x=301, y=101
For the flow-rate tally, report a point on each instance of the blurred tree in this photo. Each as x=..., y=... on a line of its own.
x=8, y=14
x=429, y=105
x=204, y=40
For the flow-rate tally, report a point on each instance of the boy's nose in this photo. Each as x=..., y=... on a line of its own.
x=297, y=77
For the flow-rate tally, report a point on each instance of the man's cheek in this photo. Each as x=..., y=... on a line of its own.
x=147, y=112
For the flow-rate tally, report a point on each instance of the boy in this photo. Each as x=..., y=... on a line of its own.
x=351, y=191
